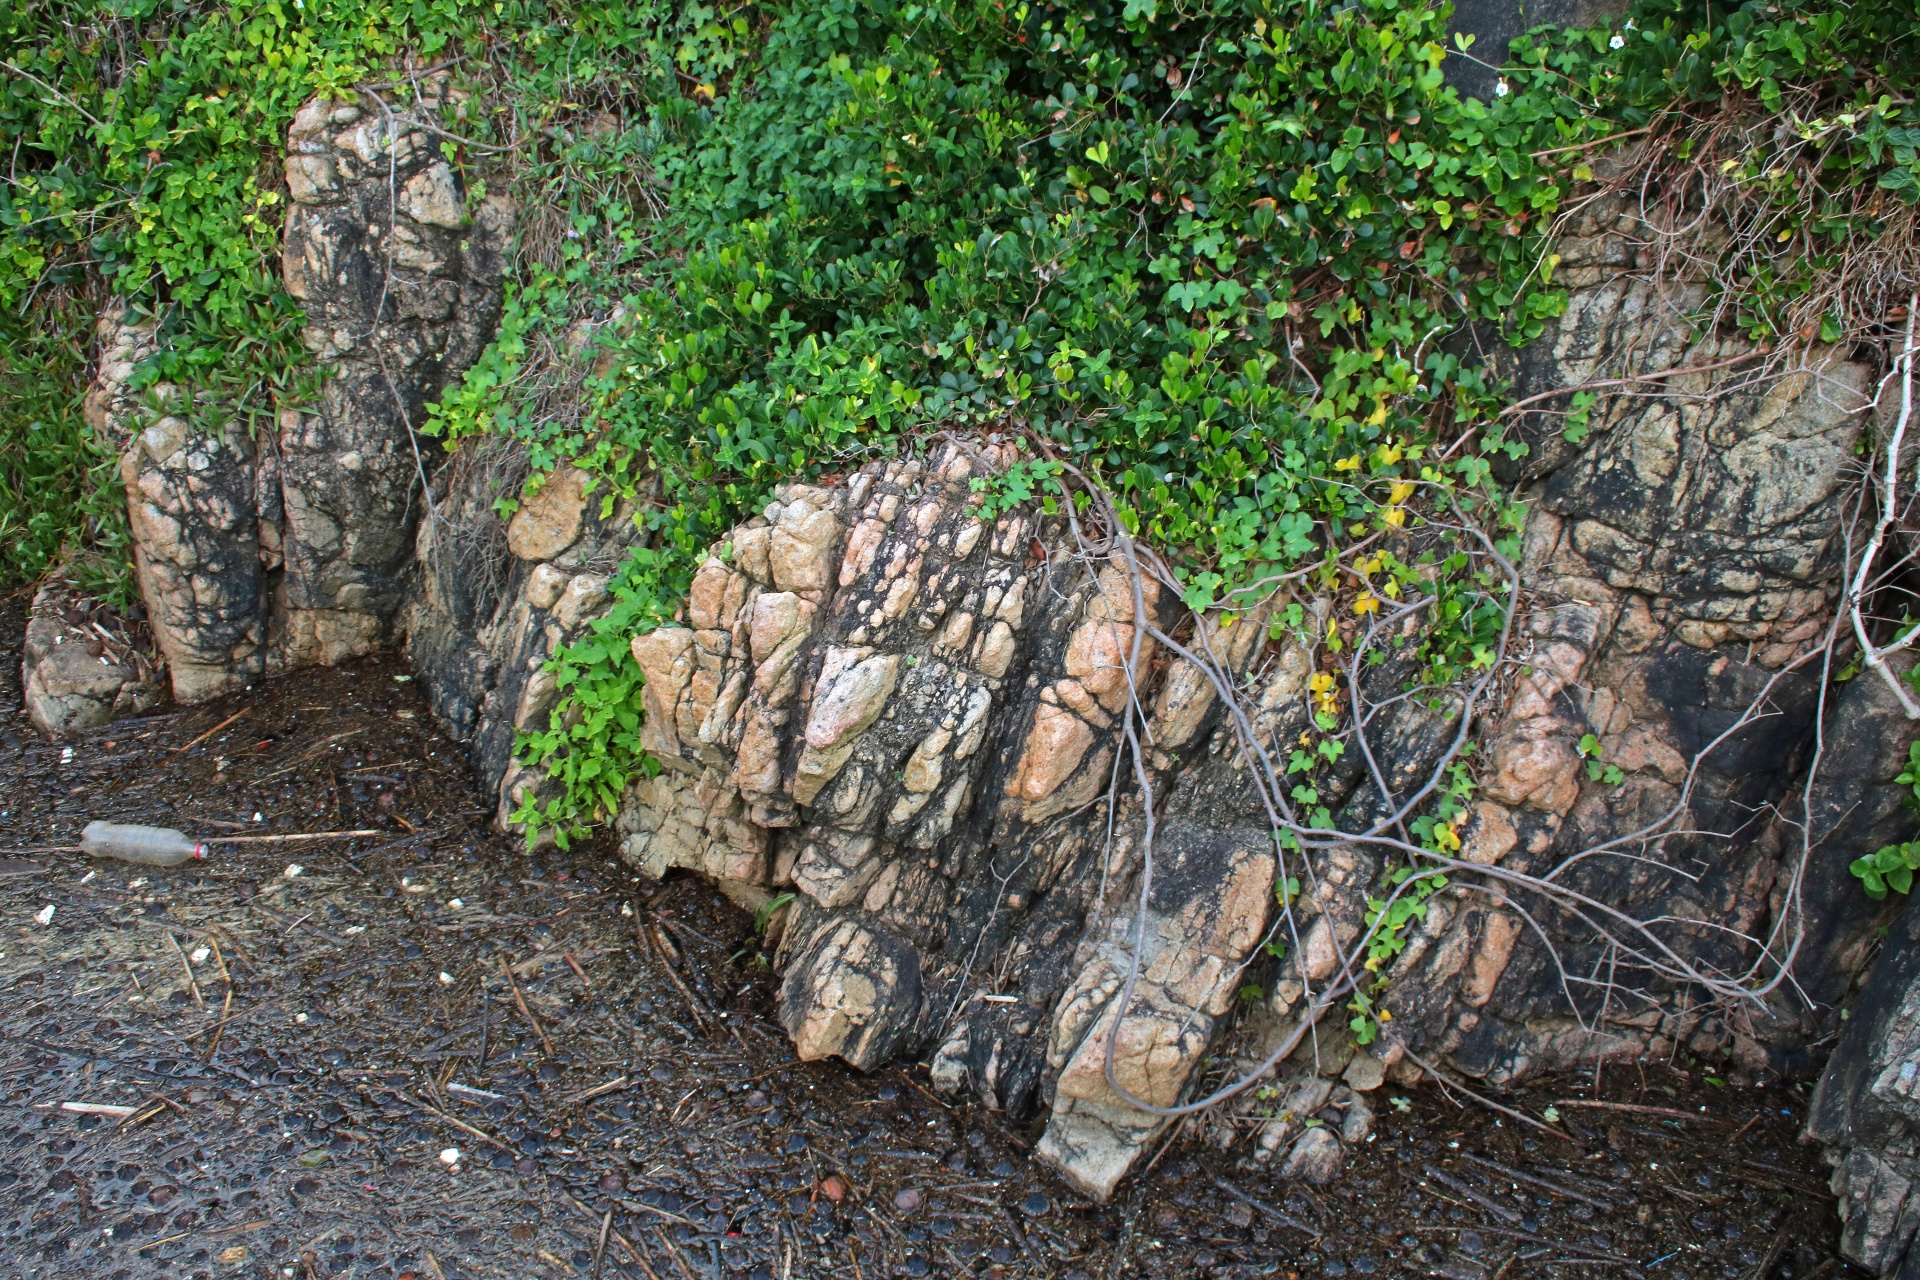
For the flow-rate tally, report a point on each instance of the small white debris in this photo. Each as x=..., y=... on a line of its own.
x=90, y=875
x=450, y=1157
x=626, y=908
x=66, y=755
x=257, y=817
x=45, y=915
x=300, y=1018
x=455, y=903
x=446, y=979
x=137, y=884
x=403, y=680
x=356, y=928
x=294, y=869
x=199, y=955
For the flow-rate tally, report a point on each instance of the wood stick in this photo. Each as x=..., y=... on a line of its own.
x=1284, y=1219
x=209, y=733
x=191, y=983
x=1636, y=1108
x=1541, y=1183
x=617, y=1083
x=650, y=936
x=1488, y=1103
x=520, y=1001
x=226, y=1005
x=634, y=1253
x=293, y=838
x=600, y=1245
x=674, y=1249
x=455, y=1121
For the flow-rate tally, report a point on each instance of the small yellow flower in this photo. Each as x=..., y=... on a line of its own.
x=1401, y=492
x=1366, y=603
x=1395, y=517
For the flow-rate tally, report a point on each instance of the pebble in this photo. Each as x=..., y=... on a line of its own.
x=1036, y=1205
x=907, y=1201
x=833, y=1187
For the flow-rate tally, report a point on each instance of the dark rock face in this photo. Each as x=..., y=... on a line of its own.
x=401, y=282
x=1493, y=24
x=1867, y=1109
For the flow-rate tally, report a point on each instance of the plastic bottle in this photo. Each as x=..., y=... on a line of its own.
x=148, y=846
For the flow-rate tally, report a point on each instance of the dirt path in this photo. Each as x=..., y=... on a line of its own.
x=332, y=1074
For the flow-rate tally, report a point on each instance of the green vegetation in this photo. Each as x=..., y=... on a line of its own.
x=1214, y=255
x=59, y=490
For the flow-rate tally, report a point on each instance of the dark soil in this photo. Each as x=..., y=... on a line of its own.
x=348, y=1029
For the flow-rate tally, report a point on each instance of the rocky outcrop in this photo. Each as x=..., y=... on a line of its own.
x=81, y=667
x=496, y=598
x=259, y=548
x=913, y=719
x=400, y=275
x=917, y=719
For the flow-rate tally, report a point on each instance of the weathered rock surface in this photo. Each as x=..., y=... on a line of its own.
x=260, y=550
x=912, y=718
x=915, y=718
x=1867, y=1110
x=76, y=674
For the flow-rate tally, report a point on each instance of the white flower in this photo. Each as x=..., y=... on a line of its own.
x=1501, y=90
x=1618, y=42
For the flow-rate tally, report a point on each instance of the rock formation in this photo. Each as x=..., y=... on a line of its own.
x=258, y=550
x=911, y=717
x=916, y=719
x=1867, y=1110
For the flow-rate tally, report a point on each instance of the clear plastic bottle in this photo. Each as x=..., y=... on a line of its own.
x=148, y=846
